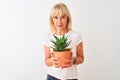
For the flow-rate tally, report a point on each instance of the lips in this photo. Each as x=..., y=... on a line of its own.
x=59, y=25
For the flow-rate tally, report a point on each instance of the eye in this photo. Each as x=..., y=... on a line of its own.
x=63, y=16
x=55, y=17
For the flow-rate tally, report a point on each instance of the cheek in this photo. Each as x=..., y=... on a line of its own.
x=54, y=21
x=65, y=22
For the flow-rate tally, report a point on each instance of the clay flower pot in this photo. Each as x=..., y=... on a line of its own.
x=62, y=56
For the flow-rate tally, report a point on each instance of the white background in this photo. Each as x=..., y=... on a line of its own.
x=24, y=24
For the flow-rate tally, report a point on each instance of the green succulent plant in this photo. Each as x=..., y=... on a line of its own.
x=60, y=44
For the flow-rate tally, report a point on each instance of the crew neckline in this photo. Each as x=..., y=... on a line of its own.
x=66, y=34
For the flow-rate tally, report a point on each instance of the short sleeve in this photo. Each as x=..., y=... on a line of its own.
x=47, y=40
x=79, y=38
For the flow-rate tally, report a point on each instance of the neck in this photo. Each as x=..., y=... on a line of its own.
x=61, y=32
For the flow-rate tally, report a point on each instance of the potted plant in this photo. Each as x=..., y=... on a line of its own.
x=60, y=49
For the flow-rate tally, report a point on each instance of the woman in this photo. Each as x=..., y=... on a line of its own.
x=60, y=23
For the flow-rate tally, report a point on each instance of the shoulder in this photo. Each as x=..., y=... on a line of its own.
x=75, y=33
x=76, y=36
x=48, y=36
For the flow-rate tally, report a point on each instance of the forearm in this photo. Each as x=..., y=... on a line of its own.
x=78, y=60
x=80, y=54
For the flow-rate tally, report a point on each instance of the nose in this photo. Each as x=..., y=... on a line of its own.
x=59, y=20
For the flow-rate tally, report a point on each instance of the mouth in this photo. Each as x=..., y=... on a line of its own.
x=59, y=25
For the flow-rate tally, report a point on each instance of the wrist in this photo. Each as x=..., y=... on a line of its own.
x=74, y=60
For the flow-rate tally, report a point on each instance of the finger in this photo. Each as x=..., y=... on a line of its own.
x=55, y=59
x=69, y=61
x=57, y=64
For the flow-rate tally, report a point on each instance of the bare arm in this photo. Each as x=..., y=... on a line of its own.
x=48, y=60
x=80, y=54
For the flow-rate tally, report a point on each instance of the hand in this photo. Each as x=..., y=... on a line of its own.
x=69, y=63
x=56, y=62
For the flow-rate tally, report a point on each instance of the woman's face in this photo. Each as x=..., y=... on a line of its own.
x=60, y=21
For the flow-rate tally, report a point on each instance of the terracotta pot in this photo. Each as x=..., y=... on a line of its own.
x=62, y=56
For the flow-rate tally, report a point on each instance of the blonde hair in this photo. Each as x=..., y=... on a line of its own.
x=56, y=8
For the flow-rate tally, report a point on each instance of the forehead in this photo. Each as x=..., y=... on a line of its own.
x=58, y=12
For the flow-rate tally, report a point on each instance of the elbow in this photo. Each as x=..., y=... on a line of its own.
x=80, y=60
x=48, y=62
